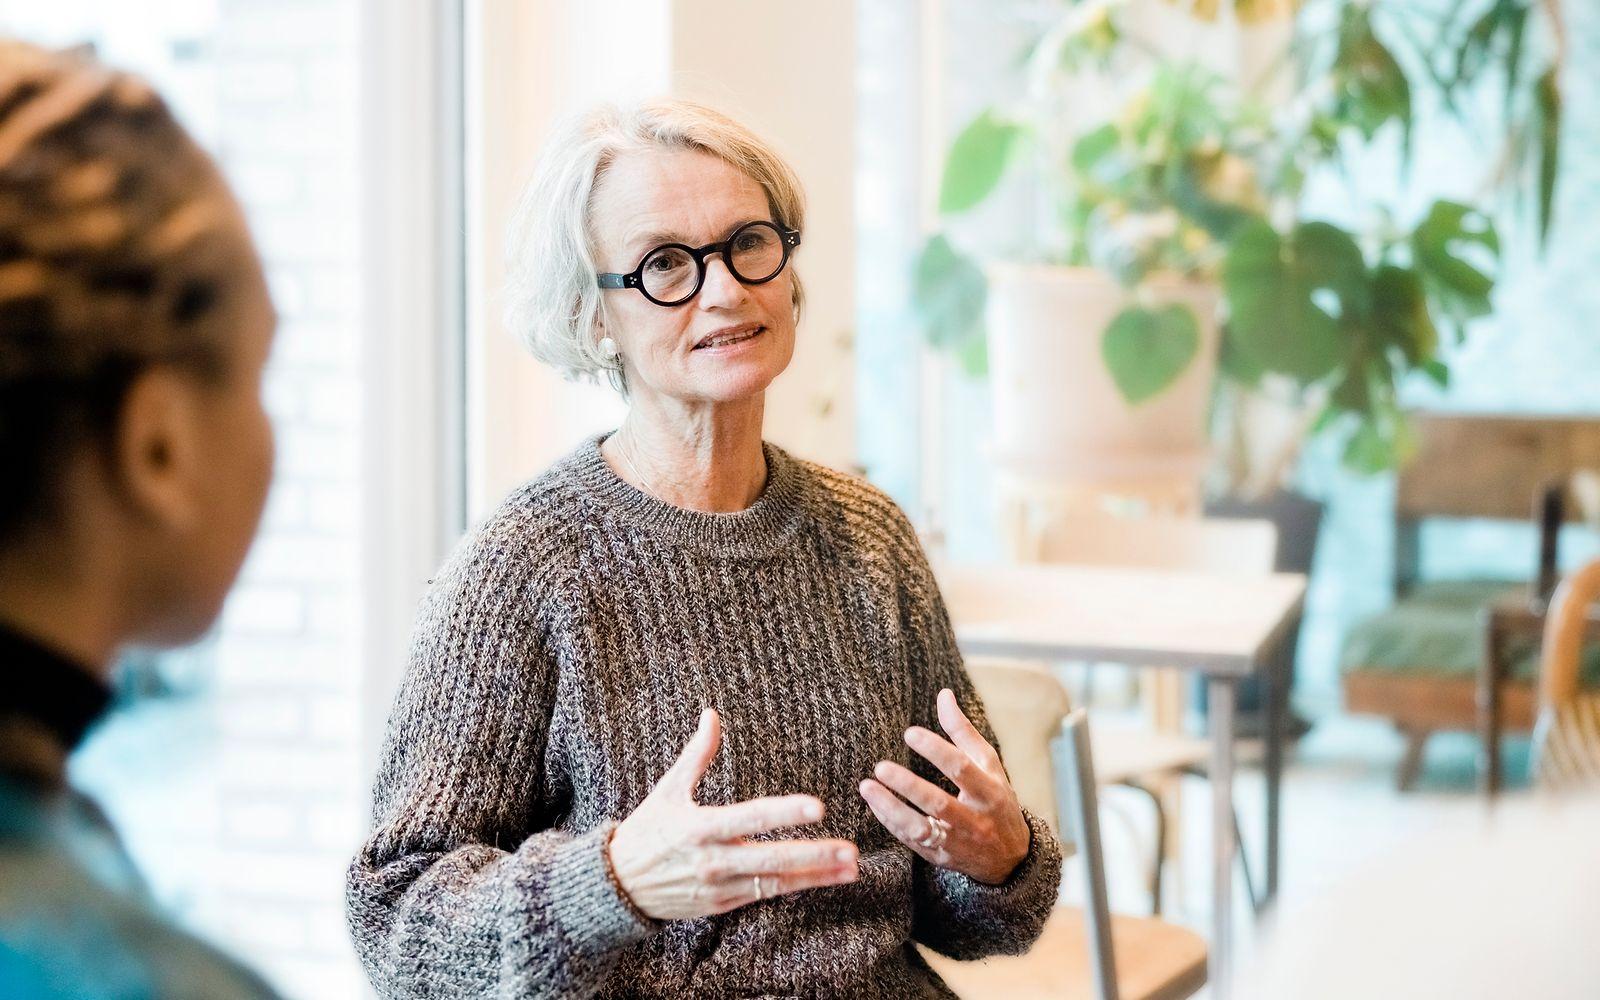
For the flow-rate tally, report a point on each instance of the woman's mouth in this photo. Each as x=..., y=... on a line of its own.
x=729, y=338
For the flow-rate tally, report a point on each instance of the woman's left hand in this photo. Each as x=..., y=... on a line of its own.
x=981, y=832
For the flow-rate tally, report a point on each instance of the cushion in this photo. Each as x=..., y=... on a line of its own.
x=1435, y=630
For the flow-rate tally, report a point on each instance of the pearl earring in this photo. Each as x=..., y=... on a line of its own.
x=608, y=347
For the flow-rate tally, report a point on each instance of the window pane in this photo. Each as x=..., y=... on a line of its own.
x=232, y=769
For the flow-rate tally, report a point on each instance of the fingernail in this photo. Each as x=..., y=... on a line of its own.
x=844, y=855
x=812, y=811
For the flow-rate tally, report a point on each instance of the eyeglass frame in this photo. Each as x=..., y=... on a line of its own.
x=787, y=238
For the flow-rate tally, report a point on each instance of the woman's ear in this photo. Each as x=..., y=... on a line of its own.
x=155, y=450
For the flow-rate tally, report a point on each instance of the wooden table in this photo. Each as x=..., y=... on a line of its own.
x=1513, y=615
x=1222, y=627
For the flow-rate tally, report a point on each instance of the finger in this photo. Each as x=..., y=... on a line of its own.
x=778, y=858
x=917, y=790
x=685, y=773
x=907, y=825
x=753, y=816
x=741, y=890
x=963, y=732
x=950, y=759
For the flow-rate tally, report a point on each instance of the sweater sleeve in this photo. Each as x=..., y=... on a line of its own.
x=955, y=914
x=447, y=897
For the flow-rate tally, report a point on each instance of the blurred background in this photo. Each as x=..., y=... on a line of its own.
x=1326, y=265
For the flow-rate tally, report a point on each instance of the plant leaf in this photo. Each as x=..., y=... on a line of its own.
x=1438, y=371
x=976, y=161
x=1092, y=147
x=973, y=356
x=1459, y=287
x=1547, y=104
x=1329, y=256
x=1147, y=349
x=1271, y=284
x=1516, y=28
x=1400, y=313
x=1372, y=87
x=1236, y=364
x=948, y=294
x=1369, y=451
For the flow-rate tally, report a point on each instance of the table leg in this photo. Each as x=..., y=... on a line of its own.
x=1489, y=676
x=1220, y=706
x=1275, y=680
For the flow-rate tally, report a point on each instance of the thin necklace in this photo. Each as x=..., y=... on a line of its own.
x=644, y=483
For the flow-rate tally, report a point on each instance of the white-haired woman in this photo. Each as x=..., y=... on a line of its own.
x=685, y=714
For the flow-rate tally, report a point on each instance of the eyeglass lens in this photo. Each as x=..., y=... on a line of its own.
x=755, y=254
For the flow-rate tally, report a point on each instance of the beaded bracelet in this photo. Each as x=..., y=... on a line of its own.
x=616, y=884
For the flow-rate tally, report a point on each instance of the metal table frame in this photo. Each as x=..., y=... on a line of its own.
x=1223, y=670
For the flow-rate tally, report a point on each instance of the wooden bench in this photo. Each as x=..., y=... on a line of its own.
x=1417, y=663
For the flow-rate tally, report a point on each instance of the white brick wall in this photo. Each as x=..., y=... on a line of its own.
x=287, y=776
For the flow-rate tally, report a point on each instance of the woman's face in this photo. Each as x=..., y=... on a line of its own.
x=649, y=198
x=232, y=468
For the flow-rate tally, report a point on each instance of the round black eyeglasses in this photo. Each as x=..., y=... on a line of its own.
x=672, y=273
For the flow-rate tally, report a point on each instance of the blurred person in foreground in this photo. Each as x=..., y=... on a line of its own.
x=685, y=715
x=134, y=325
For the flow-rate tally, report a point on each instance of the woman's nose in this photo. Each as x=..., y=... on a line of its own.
x=721, y=287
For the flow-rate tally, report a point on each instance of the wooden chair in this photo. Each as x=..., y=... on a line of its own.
x=1417, y=663
x=1083, y=954
x=1566, y=744
x=1150, y=760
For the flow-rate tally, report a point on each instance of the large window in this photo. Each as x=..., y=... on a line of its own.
x=237, y=770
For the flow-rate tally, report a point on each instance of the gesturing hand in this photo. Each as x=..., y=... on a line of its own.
x=981, y=832
x=677, y=859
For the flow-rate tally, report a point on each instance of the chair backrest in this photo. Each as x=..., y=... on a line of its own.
x=1564, y=629
x=1566, y=741
x=1485, y=466
x=1029, y=709
x=1026, y=706
x=1084, y=815
x=1215, y=545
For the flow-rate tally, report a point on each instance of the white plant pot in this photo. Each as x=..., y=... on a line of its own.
x=1057, y=412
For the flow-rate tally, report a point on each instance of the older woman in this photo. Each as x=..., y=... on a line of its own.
x=134, y=325
x=684, y=716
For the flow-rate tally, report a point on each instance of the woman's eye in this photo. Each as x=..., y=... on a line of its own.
x=663, y=263
x=751, y=241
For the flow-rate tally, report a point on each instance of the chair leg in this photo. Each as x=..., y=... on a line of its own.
x=1238, y=843
x=1159, y=862
x=1244, y=863
x=1411, y=761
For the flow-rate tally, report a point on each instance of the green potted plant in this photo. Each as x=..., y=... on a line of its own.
x=1175, y=241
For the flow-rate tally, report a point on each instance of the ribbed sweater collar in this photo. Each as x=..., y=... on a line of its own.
x=758, y=530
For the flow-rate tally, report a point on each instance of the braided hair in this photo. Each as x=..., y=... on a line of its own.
x=114, y=256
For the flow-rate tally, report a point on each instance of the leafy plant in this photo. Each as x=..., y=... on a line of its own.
x=1191, y=175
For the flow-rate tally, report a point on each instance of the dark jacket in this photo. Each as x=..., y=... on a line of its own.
x=75, y=918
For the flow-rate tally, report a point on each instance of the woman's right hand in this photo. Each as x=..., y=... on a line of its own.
x=677, y=859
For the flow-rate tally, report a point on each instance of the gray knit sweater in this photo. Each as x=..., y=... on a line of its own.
x=560, y=663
